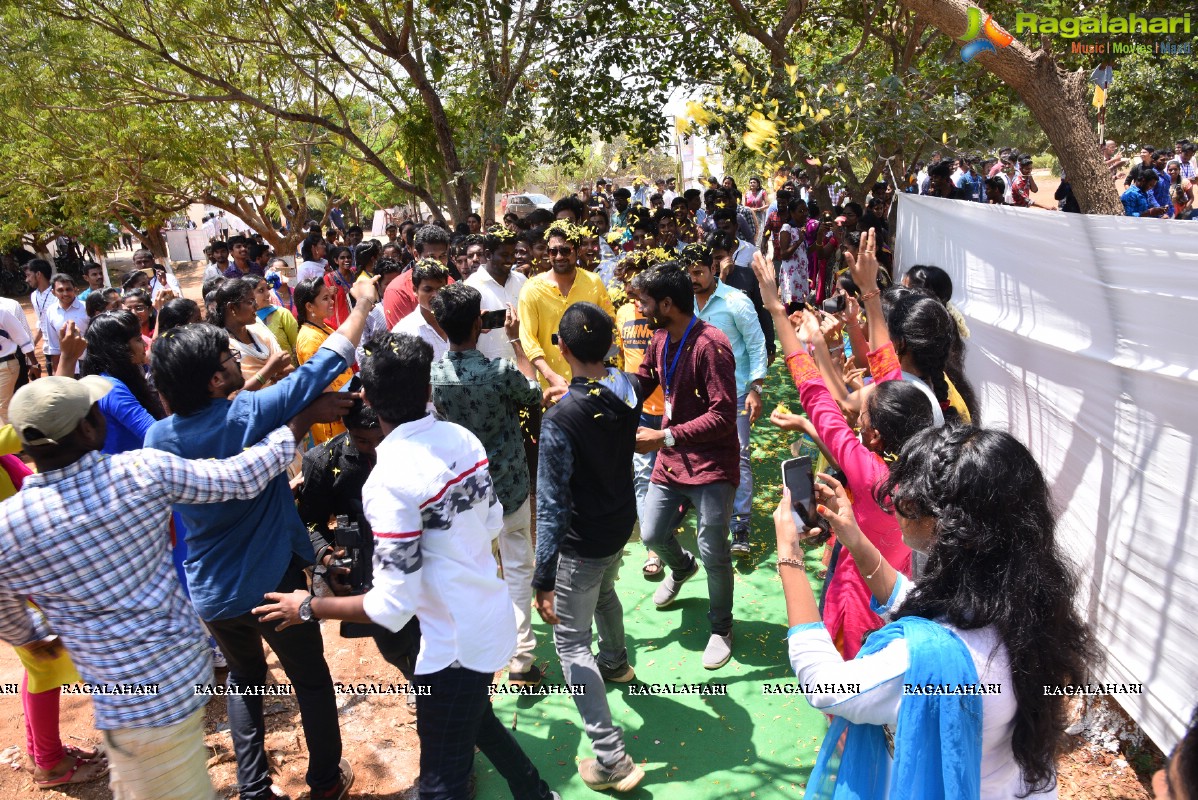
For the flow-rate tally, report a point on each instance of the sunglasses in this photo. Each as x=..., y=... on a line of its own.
x=560, y=251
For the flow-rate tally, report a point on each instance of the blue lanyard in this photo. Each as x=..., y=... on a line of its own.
x=349, y=298
x=665, y=355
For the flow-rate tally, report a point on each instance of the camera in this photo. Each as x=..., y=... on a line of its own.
x=351, y=538
x=834, y=304
x=359, y=552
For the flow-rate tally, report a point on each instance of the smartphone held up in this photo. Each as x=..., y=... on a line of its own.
x=799, y=477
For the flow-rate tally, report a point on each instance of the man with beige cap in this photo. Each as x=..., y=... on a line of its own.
x=86, y=540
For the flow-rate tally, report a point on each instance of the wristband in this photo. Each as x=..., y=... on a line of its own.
x=261, y=381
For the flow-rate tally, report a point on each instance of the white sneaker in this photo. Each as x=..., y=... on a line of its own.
x=218, y=659
x=718, y=651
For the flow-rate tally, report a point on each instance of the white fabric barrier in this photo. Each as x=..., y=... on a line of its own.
x=1083, y=346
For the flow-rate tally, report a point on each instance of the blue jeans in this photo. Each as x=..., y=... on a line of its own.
x=642, y=466
x=586, y=596
x=742, y=505
x=713, y=504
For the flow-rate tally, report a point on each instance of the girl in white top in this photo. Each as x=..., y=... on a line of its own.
x=257, y=351
x=312, y=267
x=794, y=280
x=999, y=595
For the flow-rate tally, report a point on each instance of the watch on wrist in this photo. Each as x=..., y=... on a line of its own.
x=669, y=437
x=754, y=387
x=305, y=610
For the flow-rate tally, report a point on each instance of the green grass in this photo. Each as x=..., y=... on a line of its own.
x=746, y=744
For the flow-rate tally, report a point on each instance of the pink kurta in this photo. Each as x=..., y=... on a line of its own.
x=846, y=600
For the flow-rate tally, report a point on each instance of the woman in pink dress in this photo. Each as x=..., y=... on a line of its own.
x=757, y=202
x=893, y=412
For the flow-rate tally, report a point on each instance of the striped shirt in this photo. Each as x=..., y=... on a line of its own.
x=89, y=545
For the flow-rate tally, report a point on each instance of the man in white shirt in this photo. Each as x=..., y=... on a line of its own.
x=435, y=515
x=67, y=309
x=212, y=228
x=16, y=342
x=37, y=275
x=670, y=192
x=499, y=287
x=428, y=278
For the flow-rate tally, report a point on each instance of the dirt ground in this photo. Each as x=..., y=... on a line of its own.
x=379, y=732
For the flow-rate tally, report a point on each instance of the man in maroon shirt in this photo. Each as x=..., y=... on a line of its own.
x=699, y=458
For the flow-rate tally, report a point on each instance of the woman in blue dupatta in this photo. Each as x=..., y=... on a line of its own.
x=947, y=700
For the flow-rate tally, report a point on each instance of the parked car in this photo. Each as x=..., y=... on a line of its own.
x=524, y=204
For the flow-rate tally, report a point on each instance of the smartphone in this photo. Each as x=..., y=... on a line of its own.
x=493, y=320
x=799, y=478
x=553, y=338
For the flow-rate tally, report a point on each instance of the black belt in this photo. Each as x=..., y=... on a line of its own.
x=8, y=357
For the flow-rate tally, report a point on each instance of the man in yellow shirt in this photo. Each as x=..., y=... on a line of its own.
x=545, y=298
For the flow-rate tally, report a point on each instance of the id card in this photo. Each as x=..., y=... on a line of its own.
x=669, y=412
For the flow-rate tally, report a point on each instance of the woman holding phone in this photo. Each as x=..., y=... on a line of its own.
x=988, y=627
x=894, y=412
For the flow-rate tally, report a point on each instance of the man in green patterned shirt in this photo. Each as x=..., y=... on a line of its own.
x=485, y=397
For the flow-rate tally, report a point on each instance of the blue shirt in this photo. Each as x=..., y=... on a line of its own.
x=973, y=185
x=733, y=312
x=126, y=418
x=239, y=549
x=1136, y=202
x=1160, y=192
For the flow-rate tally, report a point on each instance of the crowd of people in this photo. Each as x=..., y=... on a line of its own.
x=1159, y=183
x=432, y=438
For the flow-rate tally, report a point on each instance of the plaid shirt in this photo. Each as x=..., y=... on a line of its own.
x=89, y=545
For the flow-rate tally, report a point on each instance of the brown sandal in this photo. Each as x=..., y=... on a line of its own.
x=82, y=771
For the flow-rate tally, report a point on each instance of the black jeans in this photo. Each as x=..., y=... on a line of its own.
x=451, y=719
x=301, y=653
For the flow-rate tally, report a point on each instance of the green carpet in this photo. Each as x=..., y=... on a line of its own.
x=746, y=744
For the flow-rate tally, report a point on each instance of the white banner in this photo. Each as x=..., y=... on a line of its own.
x=1084, y=346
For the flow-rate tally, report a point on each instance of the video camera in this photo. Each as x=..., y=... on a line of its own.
x=359, y=552
x=351, y=538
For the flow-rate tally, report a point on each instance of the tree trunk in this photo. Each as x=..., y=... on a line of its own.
x=1056, y=98
x=490, y=183
x=153, y=241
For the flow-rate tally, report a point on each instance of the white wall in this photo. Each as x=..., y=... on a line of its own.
x=1083, y=345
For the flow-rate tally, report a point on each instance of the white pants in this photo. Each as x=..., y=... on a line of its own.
x=516, y=561
x=160, y=763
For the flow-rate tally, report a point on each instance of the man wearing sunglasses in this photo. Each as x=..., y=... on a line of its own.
x=545, y=298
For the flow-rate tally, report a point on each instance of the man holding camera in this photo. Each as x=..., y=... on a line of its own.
x=432, y=505
x=334, y=474
x=485, y=396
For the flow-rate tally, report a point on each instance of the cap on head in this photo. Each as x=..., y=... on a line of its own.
x=48, y=410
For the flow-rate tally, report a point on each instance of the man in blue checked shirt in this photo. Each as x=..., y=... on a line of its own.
x=239, y=550
x=732, y=312
x=87, y=541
